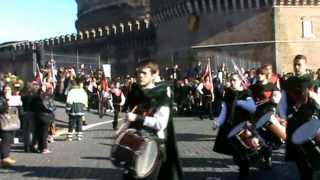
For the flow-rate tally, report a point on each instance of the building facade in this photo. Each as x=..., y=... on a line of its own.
x=247, y=32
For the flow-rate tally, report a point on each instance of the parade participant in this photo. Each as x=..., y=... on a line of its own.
x=175, y=72
x=252, y=76
x=42, y=105
x=92, y=90
x=317, y=80
x=118, y=100
x=6, y=135
x=237, y=106
x=272, y=77
x=77, y=102
x=151, y=104
x=205, y=88
x=186, y=98
x=28, y=120
x=266, y=96
x=197, y=70
x=14, y=103
x=105, y=96
x=298, y=104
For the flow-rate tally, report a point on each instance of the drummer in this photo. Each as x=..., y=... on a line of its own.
x=266, y=96
x=298, y=104
x=150, y=114
x=237, y=106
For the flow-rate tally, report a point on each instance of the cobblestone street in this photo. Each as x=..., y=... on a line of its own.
x=89, y=159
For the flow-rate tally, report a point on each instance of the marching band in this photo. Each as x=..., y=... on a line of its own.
x=253, y=120
x=254, y=114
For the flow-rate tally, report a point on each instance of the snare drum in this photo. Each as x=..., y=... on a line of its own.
x=135, y=152
x=308, y=140
x=245, y=141
x=269, y=123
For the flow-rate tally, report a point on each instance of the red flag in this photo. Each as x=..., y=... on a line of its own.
x=207, y=78
x=245, y=82
x=104, y=83
x=37, y=76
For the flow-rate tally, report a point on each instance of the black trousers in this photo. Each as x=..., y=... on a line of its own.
x=5, y=145
x=305, y=171
x=116, y=116
x=207, y=106
x=41, y=134
x=28, y=130
x=244, y=166
x=75, y=122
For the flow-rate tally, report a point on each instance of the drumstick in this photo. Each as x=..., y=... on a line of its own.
x=134, y=108
x=126, y=124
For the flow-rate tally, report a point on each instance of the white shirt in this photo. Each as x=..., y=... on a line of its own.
x=159, y=120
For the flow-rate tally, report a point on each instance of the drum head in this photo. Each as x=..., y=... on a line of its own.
x=123, y=134
x=236, y=130
x=147, y=160
x=306, y=131
x=264, y=119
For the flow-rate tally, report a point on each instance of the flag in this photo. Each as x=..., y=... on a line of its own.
x=245, y=82
x=207, y=77
x=38, y=76
x=104, y=83
x=53, y=70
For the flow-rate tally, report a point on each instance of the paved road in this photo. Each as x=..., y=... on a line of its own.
x=89, y=159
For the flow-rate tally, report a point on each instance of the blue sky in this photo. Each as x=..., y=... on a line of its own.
x=36, y=19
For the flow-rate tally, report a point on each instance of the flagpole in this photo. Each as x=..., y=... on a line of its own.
x=38, y=70
x=210, y=74
x=99, y=62
x=77, y=69
x=238, y=70
x=51, y=54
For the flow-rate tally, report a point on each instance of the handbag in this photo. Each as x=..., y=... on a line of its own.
x=46, y=118
x=9, y=122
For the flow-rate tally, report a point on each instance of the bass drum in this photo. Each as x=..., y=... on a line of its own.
x=135, y=153
x=270, y=125
x=246, y=142
x=307, y=138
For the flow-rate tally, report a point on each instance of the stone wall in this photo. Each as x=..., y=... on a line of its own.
x=233, y=35
x=19, y=63
x=290, y=36
x=99, y=13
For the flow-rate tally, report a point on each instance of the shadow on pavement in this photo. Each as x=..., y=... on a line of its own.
x=194, y=137
x=106, y=144
x=67, y=172
x=225, y=169
x=97, y=158
x=207, y=162
x=102, y=137
x=107, y=129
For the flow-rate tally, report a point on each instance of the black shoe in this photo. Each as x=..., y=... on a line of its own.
x=27, y=149
x=267, y=164
x=84, y=123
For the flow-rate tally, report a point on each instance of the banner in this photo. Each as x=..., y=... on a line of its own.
x=207, y=77
x=107, y=70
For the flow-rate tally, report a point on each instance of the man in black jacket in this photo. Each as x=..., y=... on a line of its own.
x=152, y=114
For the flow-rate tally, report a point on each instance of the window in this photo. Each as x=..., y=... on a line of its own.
x=246, y=4
x=230, y=5
x=253, y=4
x=262, y=3
x=223, y=5
x=307, y=29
